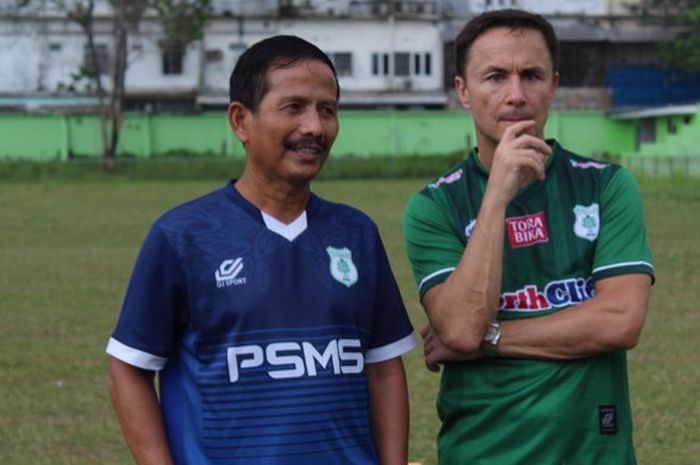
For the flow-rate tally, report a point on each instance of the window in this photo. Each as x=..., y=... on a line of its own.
x=646, y=133
x=343, y=63
x=416, y=63
x=402, y=64
x=380, y=64
x=55, y=47
x=671, y=126
x=213, y=55
x=172, y=61
x=428, y=64
x=101, y=66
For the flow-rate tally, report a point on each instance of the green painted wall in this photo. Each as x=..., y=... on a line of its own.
x=676, y=136
x=362, y=133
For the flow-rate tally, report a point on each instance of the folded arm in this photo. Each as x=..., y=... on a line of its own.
x=612, y=320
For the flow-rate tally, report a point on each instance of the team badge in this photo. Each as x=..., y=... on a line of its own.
x=587, y=222
x=342, y=267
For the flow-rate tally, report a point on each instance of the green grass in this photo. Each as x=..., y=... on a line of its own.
x=67, y=249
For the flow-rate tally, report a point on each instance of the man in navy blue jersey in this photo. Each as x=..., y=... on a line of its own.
x=271, y=315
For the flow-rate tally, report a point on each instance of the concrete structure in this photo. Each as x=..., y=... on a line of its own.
x=389, y=53
x=382, y=60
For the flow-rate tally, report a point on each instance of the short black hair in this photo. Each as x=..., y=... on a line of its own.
x=248, y=82
x=508, y=18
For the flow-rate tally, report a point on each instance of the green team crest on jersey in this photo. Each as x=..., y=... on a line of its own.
x=342, y=267
x=587, y=222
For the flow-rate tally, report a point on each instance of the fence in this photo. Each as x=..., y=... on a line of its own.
x=687, y=166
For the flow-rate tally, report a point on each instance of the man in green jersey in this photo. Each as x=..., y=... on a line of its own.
x=533, y=268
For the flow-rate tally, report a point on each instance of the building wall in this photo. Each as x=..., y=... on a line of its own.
x=363, y=133
x=43, y=54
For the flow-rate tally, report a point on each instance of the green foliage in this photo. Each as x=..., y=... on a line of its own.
x=183, y=21
x=684, y=50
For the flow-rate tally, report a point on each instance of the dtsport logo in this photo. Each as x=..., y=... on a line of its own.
x=227, y=273
x=556, y=294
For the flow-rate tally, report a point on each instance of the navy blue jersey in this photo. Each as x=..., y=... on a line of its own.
x=261, y=331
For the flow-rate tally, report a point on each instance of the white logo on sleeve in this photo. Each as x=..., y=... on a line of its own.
x=469, y=229
x=587, y=222
x=227, y=273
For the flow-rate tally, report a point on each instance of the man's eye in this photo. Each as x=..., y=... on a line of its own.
x=330, y=111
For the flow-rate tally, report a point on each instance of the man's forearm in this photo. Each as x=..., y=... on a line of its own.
x=461, y=308
x=389, y=411
x=138, y=410
x=612, y=320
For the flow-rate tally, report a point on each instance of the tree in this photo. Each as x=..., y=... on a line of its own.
x=126, y=15
x=182, y=21
x=684, y=50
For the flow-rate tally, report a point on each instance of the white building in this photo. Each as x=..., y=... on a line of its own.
x=388, y=53
x=381, y=61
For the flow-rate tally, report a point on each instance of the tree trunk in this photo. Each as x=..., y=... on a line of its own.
x=86, y=21
x=119, y=64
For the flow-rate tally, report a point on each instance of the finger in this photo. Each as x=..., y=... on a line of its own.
x=434, y=367
x=517, y=129
x=527, y=141
x=531, y=164
x=426, y=330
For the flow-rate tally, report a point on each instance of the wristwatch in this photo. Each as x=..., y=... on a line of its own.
x=489, y=345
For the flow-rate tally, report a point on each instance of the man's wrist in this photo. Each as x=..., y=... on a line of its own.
x=489, y=345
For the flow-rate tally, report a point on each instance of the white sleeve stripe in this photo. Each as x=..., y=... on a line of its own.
x=134, y=357
x=621, y=265
x=433, y=274
x=393, y=350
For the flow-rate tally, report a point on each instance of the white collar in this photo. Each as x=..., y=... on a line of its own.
x=289, y=231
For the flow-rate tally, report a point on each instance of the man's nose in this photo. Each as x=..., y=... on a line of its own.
x=311, y=123
x=515, y=94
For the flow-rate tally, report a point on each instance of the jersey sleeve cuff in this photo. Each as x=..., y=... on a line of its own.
x=436, y=277
x=617, y=269
x=393, y=350
x=135, y=357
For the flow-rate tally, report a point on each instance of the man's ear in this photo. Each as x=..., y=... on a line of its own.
x=462, y=92
x=239, y=118
x=555, y=83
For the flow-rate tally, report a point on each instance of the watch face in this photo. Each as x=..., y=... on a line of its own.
x=493, y=332
x=490, y=334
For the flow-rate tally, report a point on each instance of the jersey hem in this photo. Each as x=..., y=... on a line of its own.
x=436, y=277
x=393, y=350
x=135, y=357
x=617, y=269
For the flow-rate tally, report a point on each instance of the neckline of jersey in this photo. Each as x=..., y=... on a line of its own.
x=256, y=214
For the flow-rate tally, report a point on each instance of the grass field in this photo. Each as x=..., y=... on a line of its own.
x=67, y=249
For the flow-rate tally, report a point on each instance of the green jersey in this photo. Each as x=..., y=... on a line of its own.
x=583, y=223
